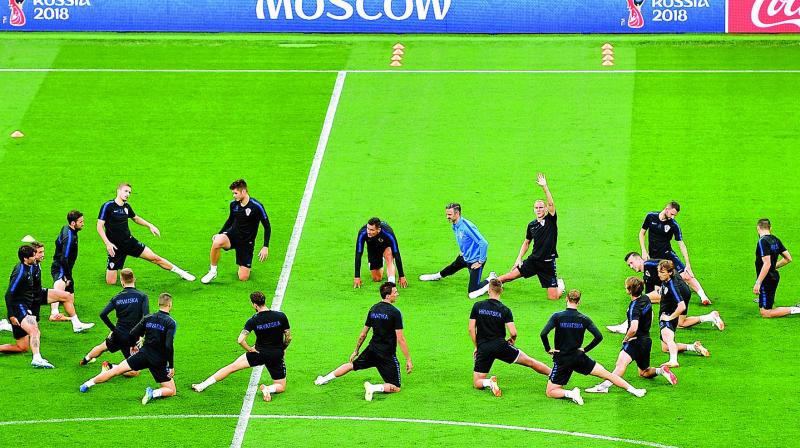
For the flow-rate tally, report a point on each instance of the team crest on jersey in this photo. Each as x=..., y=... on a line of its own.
x=126, y=211
x=666, y=228
x=111, y=265
x=247, y=211
x=380, y=240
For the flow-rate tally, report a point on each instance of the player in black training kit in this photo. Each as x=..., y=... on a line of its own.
x=569, y=355
x=660, y=228
x=543, y=231
x=637, y=343
x=157, y=354
x=239, y=233
x=112, y=225
x=272, y=338
x=381, y=246
x=54, y=295
x=386, y=321
x=130, y=305
x=487, y=328
x=66, y=253
x=673, y=298
x=768, y=251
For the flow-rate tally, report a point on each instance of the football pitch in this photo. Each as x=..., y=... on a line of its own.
x=708, y=121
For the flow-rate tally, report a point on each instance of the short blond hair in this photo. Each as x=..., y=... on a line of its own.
x=164, y=299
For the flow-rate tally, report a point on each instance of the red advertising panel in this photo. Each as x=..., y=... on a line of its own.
x=764, y=16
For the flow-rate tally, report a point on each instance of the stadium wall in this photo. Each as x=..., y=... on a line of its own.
x=404, y=16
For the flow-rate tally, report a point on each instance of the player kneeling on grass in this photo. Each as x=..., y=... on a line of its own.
x=569, y=356
x=130, y=306
x=487, y=328
x=382, y=250
x=636, y=344
x=768, y=252
x=272, y=338
x=64, y=257
x=386, y=321
x=157, y=353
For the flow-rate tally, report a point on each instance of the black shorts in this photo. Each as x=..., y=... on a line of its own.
x=673, y=257
x=489, y=351
x=20, y=311
x=244, y=249
x=273, y=361
x=766, y=295
x=129, y=247
x=36, y=307
x=158, y=368
x=117, y=342
x=375, y=255
x=650, y=286
x=670, y=324
x=639, y=351
x=544, y=269
x=563, y=368
x=58, y=274
x=389, y=368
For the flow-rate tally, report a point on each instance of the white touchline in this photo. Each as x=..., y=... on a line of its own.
x=291, y=250
x=397, y=72
x=345, y=418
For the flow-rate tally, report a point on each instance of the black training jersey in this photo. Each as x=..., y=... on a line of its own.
x=130, y=305
x=377, y=244
x=659, y=234
x=116, y=220
x=544, y=236
x=25, y=285
x=673, y=292
x=491, y=317
x=244, y=219
x=158, y=330
x=384, y=319
x=66, y=251
x=642, y=310
x=771, y=246
x=650, y=273
x=570, y=327
x=269, y=327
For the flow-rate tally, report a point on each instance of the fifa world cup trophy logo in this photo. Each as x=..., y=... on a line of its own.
x=635, y=18
x=17, y=15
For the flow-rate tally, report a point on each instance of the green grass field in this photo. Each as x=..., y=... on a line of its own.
x=466, y=119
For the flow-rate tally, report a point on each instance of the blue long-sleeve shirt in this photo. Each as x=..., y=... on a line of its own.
x=471, y=243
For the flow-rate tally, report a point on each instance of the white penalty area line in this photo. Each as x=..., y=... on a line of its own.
x=499, y=72
x=349, y=418
x=291, y=251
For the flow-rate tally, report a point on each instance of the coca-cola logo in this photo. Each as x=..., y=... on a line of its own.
x=770, y=13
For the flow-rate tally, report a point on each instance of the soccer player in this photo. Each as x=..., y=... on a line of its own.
x=637, y=343
x=472, y=248
x=673, y=295
x=386, y=321
x=651, y=281
x=770, y=256
x=157, y=353
x=569, y=356
x=130, y=305
x=20, y=296
x=543, y=231
x=660, y=228
x=239, y=233
x=112, y=225
x=381, y=247
x=488, y=322
x=272, y=338
x=66, y=253
x=52, y=296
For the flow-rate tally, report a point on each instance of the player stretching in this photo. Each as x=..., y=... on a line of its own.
x=636, y=344
x=54, y=295
x=472, y=248
x=768, y=250
x=543, y=231
x=239, y=233
x=130, y=305
x=272, y=339
x=66, y=253
x=156, y=354
x=387, y=324
x=660, y=228
x=673, y=295
x=381, y=246
x=569, y=356
x=487, y=328
x=112, y=225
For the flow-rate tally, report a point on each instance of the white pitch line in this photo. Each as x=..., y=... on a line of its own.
x=347, y=418
x=499, y=72
x=291, y=251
